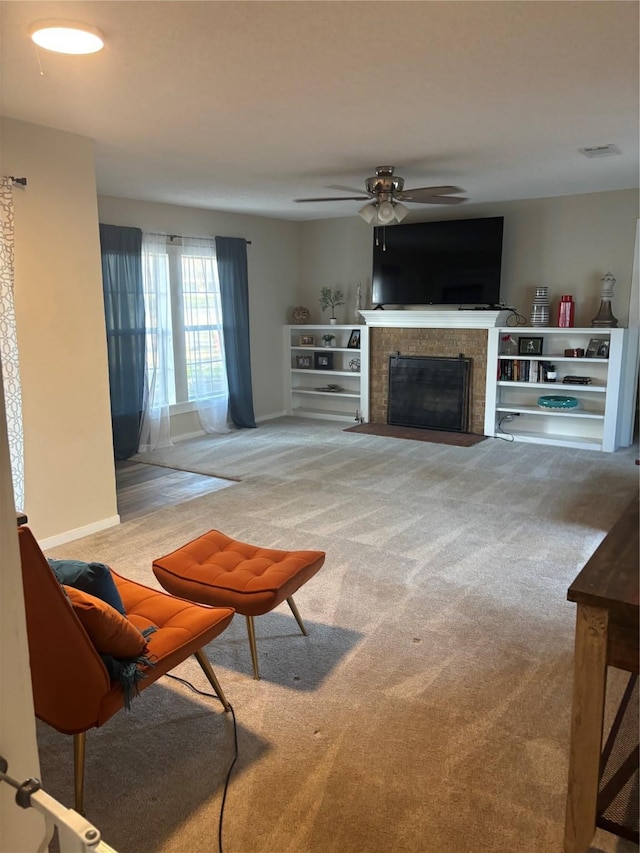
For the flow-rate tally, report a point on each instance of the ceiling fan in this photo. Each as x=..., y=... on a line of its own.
x=385, y=194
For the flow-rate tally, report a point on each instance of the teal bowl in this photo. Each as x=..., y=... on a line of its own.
x=555, y=401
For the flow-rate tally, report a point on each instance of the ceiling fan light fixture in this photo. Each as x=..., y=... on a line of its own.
x=386, y=214
x=400, y=210
x=67, y=37
x=368, y=212
x=383, y=212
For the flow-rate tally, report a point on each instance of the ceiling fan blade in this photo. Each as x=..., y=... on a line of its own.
x=424, y=193
x=344, y=188
x=443, y=199
x=338, y=198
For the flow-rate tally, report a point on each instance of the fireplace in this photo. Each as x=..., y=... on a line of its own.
x=429, y=392
x=385, y=341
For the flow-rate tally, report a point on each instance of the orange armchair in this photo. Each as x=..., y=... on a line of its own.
x=72, y=691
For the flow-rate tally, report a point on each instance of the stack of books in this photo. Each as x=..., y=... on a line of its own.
x=577, y=380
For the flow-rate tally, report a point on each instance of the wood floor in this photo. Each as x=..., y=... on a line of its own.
x=142, y=489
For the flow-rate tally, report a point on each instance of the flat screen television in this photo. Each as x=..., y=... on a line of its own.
x=455, y=262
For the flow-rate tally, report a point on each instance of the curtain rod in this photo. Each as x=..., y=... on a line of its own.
x=180, y=236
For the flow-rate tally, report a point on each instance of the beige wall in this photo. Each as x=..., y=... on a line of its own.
x=69, y=470
x=274, y=274
x=565, y=243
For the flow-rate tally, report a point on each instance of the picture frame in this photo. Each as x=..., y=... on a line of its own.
x=304, y=362
x=307, y=341
x=354, y=340
x=598, y=348
x=530, y=346
x=323, y=361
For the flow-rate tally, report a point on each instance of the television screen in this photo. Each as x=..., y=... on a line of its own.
x=456, y=262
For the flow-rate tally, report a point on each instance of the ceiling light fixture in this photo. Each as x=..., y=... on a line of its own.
x=383, y=212
x=67, y=37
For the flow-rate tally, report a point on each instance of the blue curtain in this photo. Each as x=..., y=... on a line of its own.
x=124, y=313
x=231, y=253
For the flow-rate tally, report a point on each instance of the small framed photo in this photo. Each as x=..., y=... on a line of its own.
x=304, y=362
x=530, y=346
x=354, y=340
x=323, y=360
x=307, y=341
x=598, y=348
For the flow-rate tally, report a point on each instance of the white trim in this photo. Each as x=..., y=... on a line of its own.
x=436, y=319
x=78, y=532
x=271, y=417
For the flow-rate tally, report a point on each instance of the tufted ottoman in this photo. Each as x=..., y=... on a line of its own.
x=223, y=572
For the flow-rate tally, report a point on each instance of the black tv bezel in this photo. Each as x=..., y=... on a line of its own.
x=380, y=240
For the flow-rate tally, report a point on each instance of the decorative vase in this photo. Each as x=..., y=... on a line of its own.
x=508, y=345
x=605, y=318
x=566, y=310
x=540, y=307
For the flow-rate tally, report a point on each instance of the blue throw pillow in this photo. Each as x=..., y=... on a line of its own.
x=93, y=578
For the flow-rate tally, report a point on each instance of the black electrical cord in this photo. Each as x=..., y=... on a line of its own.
x=235, y=747
x=514, y=318
x=506, y=436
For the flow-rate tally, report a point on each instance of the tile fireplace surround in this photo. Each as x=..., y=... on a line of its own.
x=430, y=333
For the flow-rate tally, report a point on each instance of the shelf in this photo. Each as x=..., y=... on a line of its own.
x=551, y=357
x=330, y=349
x=553, y=413
x=601, y=389
x=558, y=440
x=323, y=414
x=337, y=394
x=311, y=371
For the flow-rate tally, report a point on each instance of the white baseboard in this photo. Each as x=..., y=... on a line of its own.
x=281, y=414
x=78, y=532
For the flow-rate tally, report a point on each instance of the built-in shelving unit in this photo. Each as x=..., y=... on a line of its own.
x=515, y=381
x=310, y=366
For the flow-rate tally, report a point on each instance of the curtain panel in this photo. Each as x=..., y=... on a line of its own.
x=9, y=343
x=231, y=253
x=121, y=250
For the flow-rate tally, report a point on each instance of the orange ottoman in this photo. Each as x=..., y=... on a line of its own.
x=223, y=572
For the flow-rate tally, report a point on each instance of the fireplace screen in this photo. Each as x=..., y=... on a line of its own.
x=431, y=393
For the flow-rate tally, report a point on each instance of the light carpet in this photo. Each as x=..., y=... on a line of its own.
x=427, y=710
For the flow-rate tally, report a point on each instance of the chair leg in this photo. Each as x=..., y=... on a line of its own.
x=296, y=613
x=79, y=743
x=252, y=644
x=203, y=660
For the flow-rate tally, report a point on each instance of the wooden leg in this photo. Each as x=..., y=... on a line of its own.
x=79, y=743
x=254, y=649
x=589, y=682
x=203, y=660
x=296, y=613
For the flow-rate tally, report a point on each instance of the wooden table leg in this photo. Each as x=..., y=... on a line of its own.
x=589, y=682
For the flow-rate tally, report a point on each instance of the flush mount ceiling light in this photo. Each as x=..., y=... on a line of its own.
x=383, y=212
x=67, y=37
x=600, y=151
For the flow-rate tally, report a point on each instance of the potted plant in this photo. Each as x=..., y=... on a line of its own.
x=552, y=373
x=328, y=340
x=331, y=299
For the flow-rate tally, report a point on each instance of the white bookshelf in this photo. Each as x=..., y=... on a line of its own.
x=302, y=383
x=512, y=409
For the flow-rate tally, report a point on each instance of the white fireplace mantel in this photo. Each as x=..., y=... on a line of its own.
x=435, y=319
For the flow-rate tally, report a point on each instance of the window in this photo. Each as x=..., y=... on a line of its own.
x=184, y=343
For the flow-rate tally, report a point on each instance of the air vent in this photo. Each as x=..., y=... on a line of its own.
x=600, y=151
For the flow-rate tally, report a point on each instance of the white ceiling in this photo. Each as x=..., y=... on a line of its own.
x=245, y=106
